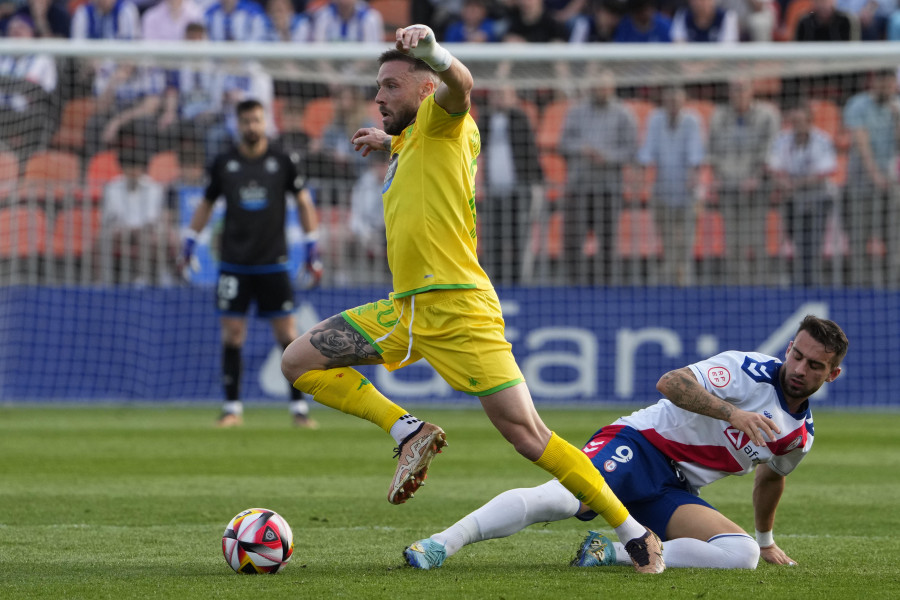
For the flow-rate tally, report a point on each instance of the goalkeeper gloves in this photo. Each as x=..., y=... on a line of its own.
x=311, y=273
x=187, y=261
x=430, y=52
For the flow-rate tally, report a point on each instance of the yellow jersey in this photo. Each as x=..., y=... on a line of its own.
x=429, y=204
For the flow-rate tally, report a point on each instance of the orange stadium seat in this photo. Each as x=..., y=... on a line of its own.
x=52, y=174
x=9, y=173
x=395, y=13
x=636, y=235
x=554, y=167
x=796, y=10
x=102, y=168
x=709, y=236
x=23, y=232
x=551, y=125
x=778, y=245
x=641, y=110
x=317, y=115
x=75, y=231
x=75, y=114
x=164, y=167
x=704, y=108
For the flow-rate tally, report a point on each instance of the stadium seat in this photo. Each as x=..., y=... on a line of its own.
x=641, y=110
x=394, y=13
x=52, y=175
x=164, y=167
x=75, y=231
x=826, y=115
x=636, y=235
x=552, y=121
x=709, y=236
x=554, y=167
x=778, y=244
x=317, y=115
x=23, y=232
x=9, y=173
x=704, y=108
x=796, y=10
x=102, y=168
x=75, y=114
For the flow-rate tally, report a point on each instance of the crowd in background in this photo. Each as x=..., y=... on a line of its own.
x=640, y=186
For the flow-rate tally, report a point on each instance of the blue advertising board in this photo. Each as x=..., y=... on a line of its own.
x=574, y=345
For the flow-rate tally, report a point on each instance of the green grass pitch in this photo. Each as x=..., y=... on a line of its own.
x=131, y=502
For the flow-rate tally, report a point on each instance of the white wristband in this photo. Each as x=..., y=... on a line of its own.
x=764, y=538
x=430, y=52
x=311, y=236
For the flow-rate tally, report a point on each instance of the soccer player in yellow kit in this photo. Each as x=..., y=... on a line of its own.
x=443, y=307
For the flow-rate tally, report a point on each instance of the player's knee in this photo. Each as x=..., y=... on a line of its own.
x=291, y=363
x=742, y=550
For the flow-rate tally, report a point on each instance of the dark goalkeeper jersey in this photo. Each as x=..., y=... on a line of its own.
x=253, y=239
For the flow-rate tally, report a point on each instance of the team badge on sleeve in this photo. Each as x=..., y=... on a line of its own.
x=719, y=376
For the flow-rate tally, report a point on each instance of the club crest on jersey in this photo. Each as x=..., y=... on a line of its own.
x=719, y=376
x=794, y=443
x=609, y=466
x=232, y=166
x=271, y=165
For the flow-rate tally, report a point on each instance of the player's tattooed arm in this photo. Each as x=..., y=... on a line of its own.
x=342, y=345
x=682, y=388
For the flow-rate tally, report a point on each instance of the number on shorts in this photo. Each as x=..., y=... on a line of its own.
x=228, y=287
x=623, y=454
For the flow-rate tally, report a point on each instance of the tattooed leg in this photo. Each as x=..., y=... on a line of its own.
x=341, y=344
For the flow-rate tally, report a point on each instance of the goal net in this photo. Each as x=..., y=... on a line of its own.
x=639, y=209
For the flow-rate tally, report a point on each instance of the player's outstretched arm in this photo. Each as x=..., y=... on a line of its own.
x=456, y=79
x=682, y=388
x=768, y=486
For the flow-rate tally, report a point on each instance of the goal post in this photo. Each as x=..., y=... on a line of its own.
x=639, y=208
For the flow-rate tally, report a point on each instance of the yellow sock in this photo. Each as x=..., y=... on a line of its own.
x=346, y=390
x=578, y=475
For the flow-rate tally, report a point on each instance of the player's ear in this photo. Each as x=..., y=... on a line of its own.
x=833, y=375
x=788, y=351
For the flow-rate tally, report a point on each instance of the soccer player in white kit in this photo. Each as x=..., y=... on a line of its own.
x=727, y=415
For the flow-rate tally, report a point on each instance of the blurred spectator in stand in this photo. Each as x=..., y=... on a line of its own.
x=473, y=25
x=529, y=22
x=284, y=24
x=756, y=18
x=236, y=21
x=347, y=21
x=599, y=138
x=336, y=158
x=106, y=20
x=195, y=98
x=705, y=21
x=48, y=19
x=512, y=172
x=827, y=24
x=643, y=24
x=139, y=242
x=801, y=160
x=674, y=144
x=741, y=133
x=367, y=238
x=565, y=11
x=599, y=23
x=169, y=19
x=873, y=120
x=437, y=14
x=27, y=84
x=127, y=95
x=872, y=16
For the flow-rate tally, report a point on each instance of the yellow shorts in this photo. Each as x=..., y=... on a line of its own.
x=459, y=332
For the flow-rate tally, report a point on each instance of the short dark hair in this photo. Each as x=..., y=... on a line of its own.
x=829, y=334
x=195, y=27
x=247, y=106
x=415, y=64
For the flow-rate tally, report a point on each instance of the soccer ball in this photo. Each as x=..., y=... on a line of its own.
x=257, y=540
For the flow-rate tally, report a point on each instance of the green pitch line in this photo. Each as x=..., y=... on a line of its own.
x=132, y=502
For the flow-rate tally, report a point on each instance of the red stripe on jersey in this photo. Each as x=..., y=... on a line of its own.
x=600, y=439
x=714, y=457
x=789, y=441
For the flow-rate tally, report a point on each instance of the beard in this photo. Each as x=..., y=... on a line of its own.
x=251, y=138
x=400, y=121
x=798, y=389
